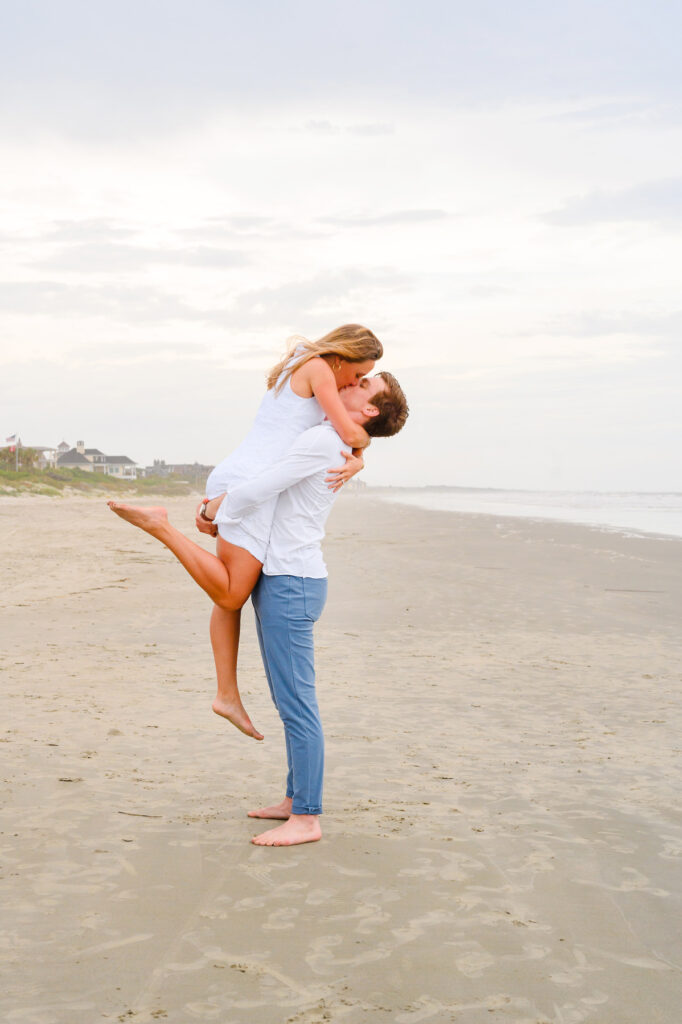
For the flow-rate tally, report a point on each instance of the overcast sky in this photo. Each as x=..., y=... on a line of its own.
x=495, y=189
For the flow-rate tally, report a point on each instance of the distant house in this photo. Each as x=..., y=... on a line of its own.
x=46, y=455
x=49, y=454
x=95, y=456
x=191, y=472
x=92, y=460
x=120, y=465
x=73, y=459
x=158, y=469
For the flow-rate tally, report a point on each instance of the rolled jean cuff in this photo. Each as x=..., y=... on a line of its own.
x=305, y=810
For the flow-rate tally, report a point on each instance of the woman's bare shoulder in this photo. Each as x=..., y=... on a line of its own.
x=309, y=376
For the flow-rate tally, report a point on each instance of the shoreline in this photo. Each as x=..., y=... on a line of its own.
x=370, y=494
x=624, y=530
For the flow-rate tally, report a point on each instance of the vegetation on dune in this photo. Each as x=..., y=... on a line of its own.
x=55, y=482
x=27, y=458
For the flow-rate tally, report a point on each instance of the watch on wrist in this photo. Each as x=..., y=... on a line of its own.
x=202, y=511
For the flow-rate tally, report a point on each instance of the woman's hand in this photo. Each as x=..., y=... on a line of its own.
x=340, y=474
x=203, y=525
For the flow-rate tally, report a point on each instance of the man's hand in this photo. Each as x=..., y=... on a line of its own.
x=203, y=525
x=340, y=474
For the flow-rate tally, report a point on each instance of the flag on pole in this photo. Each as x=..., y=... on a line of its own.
x=11, y=439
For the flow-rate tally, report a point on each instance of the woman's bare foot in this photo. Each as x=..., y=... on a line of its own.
x=278, y=812
x=148, y=519
x=235, y=712
x=300, y=828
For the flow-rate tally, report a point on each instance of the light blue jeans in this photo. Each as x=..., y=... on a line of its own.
x=286, y=608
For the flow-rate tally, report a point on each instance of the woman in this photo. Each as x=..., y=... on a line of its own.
x=302, y=389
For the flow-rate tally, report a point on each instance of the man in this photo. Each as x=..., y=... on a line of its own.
x=291, y=592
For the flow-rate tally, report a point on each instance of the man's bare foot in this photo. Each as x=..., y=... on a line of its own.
x=278, y=812
x=148, y=519
x=300, y=828
x=235, y=712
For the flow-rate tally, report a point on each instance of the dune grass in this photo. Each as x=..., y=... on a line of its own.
x=56, y=482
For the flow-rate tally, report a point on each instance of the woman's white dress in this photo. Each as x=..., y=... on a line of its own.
x=280, y=419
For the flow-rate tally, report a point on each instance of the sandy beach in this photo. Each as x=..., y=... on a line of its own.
x=502, y=829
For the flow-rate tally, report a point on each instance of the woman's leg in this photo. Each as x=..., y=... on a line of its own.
x=228, y=578
x=225, y=643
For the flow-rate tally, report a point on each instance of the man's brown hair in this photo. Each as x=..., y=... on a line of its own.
x=392, y=406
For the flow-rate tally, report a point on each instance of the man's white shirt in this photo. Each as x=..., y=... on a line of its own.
x=304, y=502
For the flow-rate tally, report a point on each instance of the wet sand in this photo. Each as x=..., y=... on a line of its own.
x=502, y=829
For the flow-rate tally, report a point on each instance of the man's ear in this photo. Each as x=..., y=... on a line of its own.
x=370, y=411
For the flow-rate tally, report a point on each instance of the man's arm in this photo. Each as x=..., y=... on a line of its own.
x=306, y=457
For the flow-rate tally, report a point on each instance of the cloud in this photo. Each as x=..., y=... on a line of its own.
x=322, y=128
x=266, y=353
x=100, y=230
x=244, y=222
x=487, y=291
x=227, y=227
x=89, y=230
x=391, y=218
x=247, y=227
x=128, y=304
x=653, y=201
x=313, y=301
x=204, y=256
x=137, y=353
x=101, y=257
x=626, y=322
x=370, y=128
x=124, y=70
x=611, y=113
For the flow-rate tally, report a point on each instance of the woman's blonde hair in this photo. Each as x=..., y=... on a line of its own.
x=351, y=342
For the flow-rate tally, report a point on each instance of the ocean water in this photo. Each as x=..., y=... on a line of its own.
x=625, y=512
